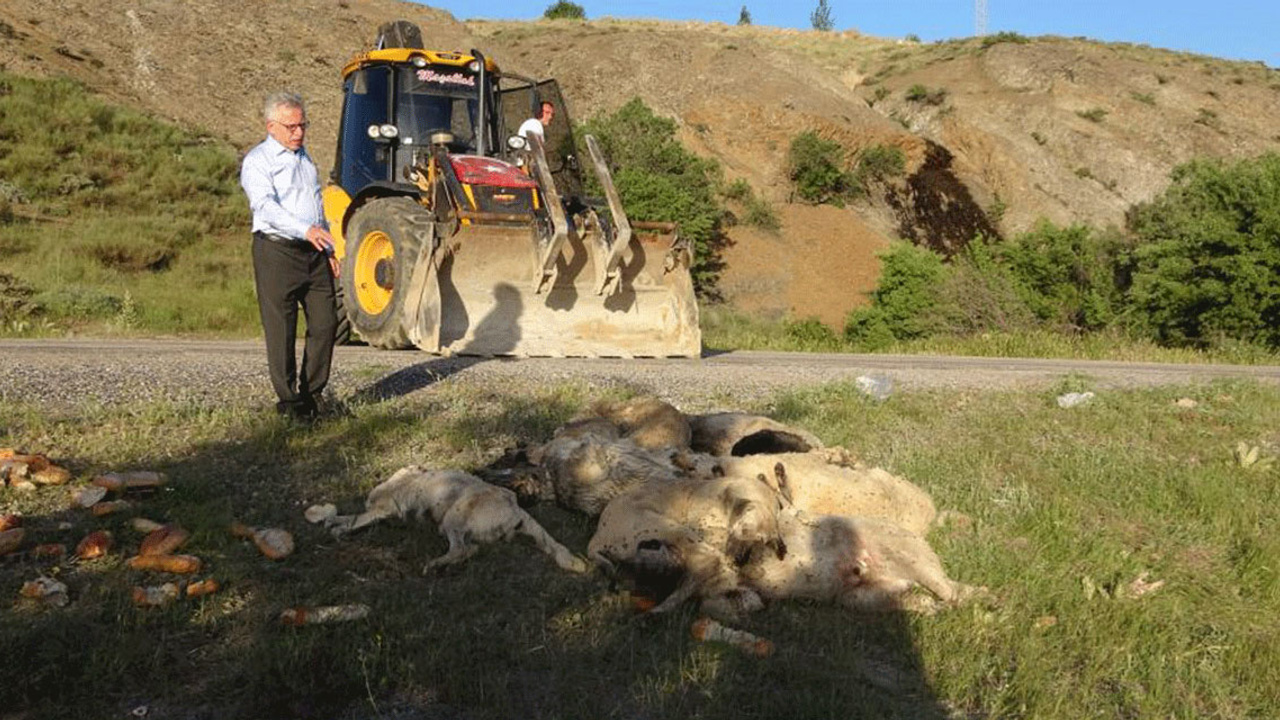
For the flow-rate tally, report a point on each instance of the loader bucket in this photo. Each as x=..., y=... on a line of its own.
x=494, y=298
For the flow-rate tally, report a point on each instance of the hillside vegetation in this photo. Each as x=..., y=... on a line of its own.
x=115, y=222
x=937, y=143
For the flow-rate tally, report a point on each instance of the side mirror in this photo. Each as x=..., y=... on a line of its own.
x=515, y=142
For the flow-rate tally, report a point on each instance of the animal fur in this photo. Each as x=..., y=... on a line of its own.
x=467, y=510
x=648, y=422
x=690, y=534
x=862, y=563
x=817, y=487
x=737, y=434
x=586, y=470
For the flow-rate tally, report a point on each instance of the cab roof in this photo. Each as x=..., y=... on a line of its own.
x=399, y=56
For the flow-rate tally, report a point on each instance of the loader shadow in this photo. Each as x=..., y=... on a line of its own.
x=498, y=332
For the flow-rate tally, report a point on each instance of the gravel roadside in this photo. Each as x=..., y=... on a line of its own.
x=69, y=372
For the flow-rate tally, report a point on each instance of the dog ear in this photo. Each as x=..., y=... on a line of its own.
x=784, y=488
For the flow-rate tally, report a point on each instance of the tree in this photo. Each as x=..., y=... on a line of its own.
x=565, y=10
x=821, y=17
x=659, y=179
x=744, y=17
x=1207, y=265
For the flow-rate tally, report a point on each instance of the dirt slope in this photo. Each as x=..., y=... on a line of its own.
x=1071, y=130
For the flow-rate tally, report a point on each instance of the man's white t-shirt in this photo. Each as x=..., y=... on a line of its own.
x=532, y=125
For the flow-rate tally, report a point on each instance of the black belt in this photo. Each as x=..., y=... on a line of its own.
x=282, y=239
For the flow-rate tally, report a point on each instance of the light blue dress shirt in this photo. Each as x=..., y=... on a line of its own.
x=283, y=188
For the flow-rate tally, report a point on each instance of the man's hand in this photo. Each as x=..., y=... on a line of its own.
x=321, y=240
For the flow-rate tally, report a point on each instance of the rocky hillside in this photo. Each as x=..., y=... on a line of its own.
x=998, y=132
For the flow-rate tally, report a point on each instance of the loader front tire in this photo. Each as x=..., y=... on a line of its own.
x=383, y=244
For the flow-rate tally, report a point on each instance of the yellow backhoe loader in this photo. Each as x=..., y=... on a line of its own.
x=458, y=236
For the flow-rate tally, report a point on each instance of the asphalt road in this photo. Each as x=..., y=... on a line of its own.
x=70, y=371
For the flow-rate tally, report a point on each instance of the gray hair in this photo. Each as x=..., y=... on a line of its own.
x=278, y=100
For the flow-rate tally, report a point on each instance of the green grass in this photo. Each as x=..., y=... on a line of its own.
x=112, y=222
x=1060, y=501
x=725, y=329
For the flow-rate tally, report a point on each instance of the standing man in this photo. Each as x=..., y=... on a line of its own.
x=537, y=125
x=293, y=261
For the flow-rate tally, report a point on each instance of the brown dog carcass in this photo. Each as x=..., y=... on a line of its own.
x=862, y=563
x=586, y=468
x=685, y=539
x=467, y=510
x=647, y=421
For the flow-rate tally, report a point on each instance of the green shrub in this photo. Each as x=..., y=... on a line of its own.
x=564, y=10
x=1092, y=114
x=920, y=94
x=1067, y=277
x=811, y=334
x=738, y=189
x=879, y=162
x=660, y=180
x=905, y=298
x=1004, y=37
x=1207, y=265
x=817, y=169
x=759, y=213
x=978, y=294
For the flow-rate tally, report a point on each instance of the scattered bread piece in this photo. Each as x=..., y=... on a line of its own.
x=202, y=588
x=318, y=615
x=155, y=595
x=88, y=496
x=271, y=542
x=10, y=540
x=49, y=551
x=137, y=479
x=51, y=475
x=94, y=545
x=46, y=590
x=144, y=525
x=163, y=541
x=109, y=507
x=180, y=564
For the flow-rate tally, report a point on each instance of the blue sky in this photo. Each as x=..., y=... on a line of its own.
x=1236, y=29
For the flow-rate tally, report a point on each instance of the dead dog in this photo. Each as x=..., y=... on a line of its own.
x=862, y=563
x=685, y=539
x=466, y=509
x=647, y=421
x=738, y=434
x=818, y=487
x=586, y=468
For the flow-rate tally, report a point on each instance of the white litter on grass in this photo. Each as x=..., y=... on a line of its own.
x=320, y=513
x=879, y=388
x=1074, y=399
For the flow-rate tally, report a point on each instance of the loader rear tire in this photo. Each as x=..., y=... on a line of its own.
x=383, y=243
x=342, y=336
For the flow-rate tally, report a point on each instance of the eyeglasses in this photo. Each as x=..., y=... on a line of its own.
x=293, y=127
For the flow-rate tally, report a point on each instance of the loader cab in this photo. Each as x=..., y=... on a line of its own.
x=397, y=101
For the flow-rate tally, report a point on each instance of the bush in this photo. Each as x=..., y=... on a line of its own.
x=817, y=169
x=1208, y=262
x=660, y=180
x=564, y=10
x=1067, y=277
x=880, y=162
x=905, y=299
x=921, y=94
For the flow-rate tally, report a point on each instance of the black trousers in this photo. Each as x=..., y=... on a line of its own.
x=289, y=275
